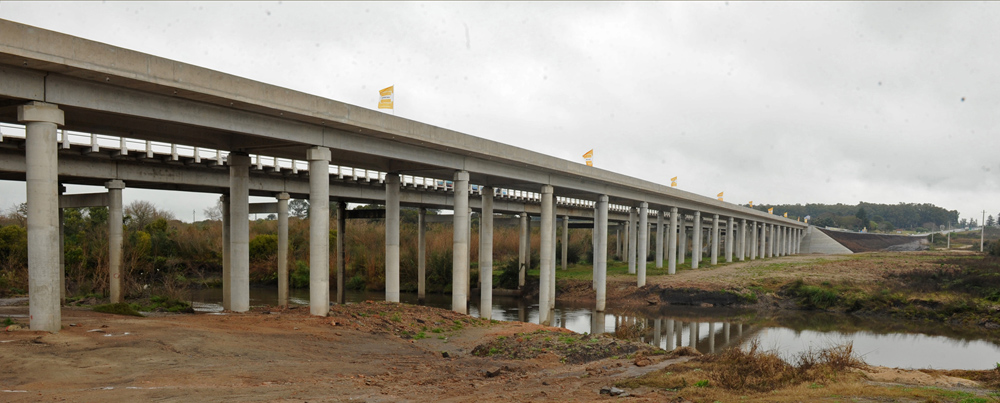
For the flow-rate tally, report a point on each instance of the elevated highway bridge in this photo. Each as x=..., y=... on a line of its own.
x=52, y=82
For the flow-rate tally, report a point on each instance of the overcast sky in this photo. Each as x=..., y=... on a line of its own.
x=771, y=102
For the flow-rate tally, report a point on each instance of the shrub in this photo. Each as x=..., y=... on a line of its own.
x=263, y=247
x=509, y=274
x=300, y=275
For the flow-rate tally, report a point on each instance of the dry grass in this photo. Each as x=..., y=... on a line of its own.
x=755, y=375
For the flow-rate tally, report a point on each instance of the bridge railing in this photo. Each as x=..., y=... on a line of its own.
x=170, y=152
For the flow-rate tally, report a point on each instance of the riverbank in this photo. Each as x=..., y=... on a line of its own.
x=380, y=351
x=954, y=287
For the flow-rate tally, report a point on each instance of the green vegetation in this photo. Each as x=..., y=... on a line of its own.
x=120, y=308
x=876, y=217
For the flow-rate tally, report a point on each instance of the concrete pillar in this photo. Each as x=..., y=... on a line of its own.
x=725, y=333
x=949, y=241
x=715, y=239
x=486, y=255
x=696, y=235
x=392, y=237
x=742, y=242
x=283, y=248
x=565, y=241
x=763, y=240
x=421, y=254
x=239, y=236
x=341, y=251
x=523, y=257
x=753, y=240
x=460, y=245
x=672, y=242
x=779, y=247
x=632, y=227
x=319, y=230
x=227, y=254
x=601, y=254
x=115, y=237
x=729, y=239
x=468, y=267
x=552, y=271
x=770, y=240
x=681, y=238
x=659, y=239
x=656, y=326
x=42, y=175
x=546, y=251
x=643, y=243
x=618, y=242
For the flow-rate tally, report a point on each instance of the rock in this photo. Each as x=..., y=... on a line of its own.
x=333, y=323
x=444, y=354
x=613, y=391
x=491, y=374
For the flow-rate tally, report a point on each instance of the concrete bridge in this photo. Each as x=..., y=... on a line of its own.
x=272, y=141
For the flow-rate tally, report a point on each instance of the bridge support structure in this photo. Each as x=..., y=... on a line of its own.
x=319, y=230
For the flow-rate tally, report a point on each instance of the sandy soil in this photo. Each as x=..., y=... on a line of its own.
x=285, y=356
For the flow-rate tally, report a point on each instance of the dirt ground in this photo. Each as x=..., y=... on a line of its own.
x=288, y=356
x=369, y=352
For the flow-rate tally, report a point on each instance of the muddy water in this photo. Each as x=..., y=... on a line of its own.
x=878, y=342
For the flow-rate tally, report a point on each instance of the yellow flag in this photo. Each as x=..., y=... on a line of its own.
x=786, y=214
x=719, y=196
x=589, y=157
x=673, y=182
x=385, y=102
x=770, y=210
x=751, y=203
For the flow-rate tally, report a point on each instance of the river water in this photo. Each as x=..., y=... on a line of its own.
x=878, y=342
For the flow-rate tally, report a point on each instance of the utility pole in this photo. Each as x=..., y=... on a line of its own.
x=982, y=231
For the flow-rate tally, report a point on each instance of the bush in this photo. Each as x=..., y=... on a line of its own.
x=300, y=275
x=811, y=296
x=509, y=274
x=263, y=247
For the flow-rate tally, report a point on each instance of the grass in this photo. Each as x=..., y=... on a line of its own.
x=753, y=375
x=119, y=308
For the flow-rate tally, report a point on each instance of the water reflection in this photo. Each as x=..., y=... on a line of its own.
x=707, y=330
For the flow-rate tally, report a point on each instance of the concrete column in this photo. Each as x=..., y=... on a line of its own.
x=601, y=254
x=779, y=247
x=725, y=333
x=546, y=251
x=659, y=239
x=468, y=267
x=729, y=239
x=565, y=241
x=742, y=243
x=392, y=237
x=696, y=235
x=486, y=255
x=42, y=175
x=715, y=239
x=283, y=248
x=632, y=227
x=319, y=230
x=643, y=243
x=460, y=245
x=672, y=242
x=681, y=238
x=618, y=242
x=239, y=237
x=227, y=254
x=753, y=240
x=341, y=251
x=771, y=237
x=115, y=237
x=552, y=270
x=763, y=240
x=421, y=255
x=524, y=258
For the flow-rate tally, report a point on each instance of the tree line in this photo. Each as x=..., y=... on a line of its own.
x=872, y=216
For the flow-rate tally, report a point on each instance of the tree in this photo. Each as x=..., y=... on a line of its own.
x=862, y=217
x=989, y=221
x=214, y=213
x=298, y=208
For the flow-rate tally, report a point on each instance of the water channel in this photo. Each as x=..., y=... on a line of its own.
x=878, y=342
